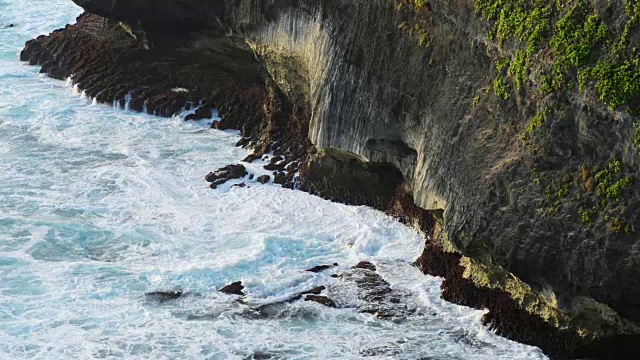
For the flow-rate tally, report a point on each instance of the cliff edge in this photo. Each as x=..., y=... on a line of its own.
x=506, y=129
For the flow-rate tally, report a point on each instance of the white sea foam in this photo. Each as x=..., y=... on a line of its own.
x=99, y=206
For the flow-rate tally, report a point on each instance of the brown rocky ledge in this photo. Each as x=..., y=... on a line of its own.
x=161, y=74
x=110, y=64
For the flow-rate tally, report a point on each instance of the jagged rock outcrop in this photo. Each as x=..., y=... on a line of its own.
x=531, y=180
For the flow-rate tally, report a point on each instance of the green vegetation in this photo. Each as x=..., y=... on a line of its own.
x=602, y=195
x=619, y=226
x=610, y=183
x=416, y=27
x=420, y=3
x=535, y=122
x=546, y=85
x=475, y=102
x=617, y=84
x=587, y=215
x=575, y=41
x=500, y=88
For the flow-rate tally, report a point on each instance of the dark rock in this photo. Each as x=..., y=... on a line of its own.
x=10, y=25
x=251, y=158
x=320, y=268
x=226, y=173
x=57, y=72
x=275, y=159
x=263, y=179
x=323, y=300
x=200, y=113
x=280, y=178
x=164, y=296
x=292, y=166
x=239, y=185
x=613, y=348
x=233, y=288
x=260, y=355
x=243, y=142
x=251, y=176
x=315, y=291
x=365, y=265
x=505, y=317
x=274, y=167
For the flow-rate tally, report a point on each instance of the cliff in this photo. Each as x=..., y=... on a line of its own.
x=513, y=123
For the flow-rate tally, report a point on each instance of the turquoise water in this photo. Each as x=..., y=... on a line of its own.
x=99, y=206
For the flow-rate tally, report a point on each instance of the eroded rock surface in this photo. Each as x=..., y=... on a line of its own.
x=409, y=109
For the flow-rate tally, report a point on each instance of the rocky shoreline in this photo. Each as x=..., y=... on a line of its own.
x=162, y=75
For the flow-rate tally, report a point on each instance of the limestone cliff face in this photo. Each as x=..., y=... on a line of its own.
x=384, y=83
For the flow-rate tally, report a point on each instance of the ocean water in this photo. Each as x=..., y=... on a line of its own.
x=99, y=206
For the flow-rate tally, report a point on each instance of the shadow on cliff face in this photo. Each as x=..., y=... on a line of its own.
x=614, y=348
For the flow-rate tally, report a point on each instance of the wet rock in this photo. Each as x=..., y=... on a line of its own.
x=260, y=355
x=373, y=294
x=226, y=173
x=233, y=289
x=251, y=176
x=241, y=185
x=323, y=300
x=200, y=113
x=292, y=166
x=280, y=178
x=365, y=265
x=274, y=167
x=276, y=159
x=243, y=142
x=251, y=158
x=164, y=296
x=57, y=72
x=10, y=25
x=263, y=179
x=315, y=291
x=321, y=268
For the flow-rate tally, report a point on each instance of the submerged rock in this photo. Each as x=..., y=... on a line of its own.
x=315, y=291
x=164, y=296
x=365, y=265
x=323, y=300
x=321, y=268
x=233, y=289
